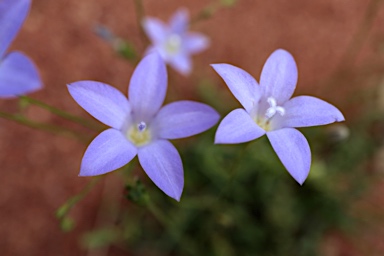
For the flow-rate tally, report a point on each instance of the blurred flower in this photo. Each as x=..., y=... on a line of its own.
x=269, y=110
x=173, y=42
x=140, y=126
x=18, y=75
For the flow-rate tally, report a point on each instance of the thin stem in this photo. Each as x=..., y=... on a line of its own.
x=68, y=205
x=139, y=8
x=208, y=11
x=157, y=213
x=76, y=119
x=361, y=35
x=43, y=127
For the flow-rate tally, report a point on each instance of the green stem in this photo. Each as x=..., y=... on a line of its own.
x=361, y=35
x=76, y=119
x=157, y=213
x=139, y=8
x=209, y=11
x=43, y=127
x=67, y=206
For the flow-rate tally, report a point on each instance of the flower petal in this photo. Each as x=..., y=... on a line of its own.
x=183, y=119
x=18, y=76
x=12, y=16
x=179, y=21
x=279, y=76
x=242, y=85
x=155, y=29
x=109, y=151
x=162, y=163
x=102, y=101
x=181, y=63
x=237, y=127
x=195, y=42
x=293, y=150
x=148, y=87
x=304, y=111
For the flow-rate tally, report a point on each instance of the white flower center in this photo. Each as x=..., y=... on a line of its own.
x=138, y=134
x=273, y=108
x=264, y=119
x=173, y=44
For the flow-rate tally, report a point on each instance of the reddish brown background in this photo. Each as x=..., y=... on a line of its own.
x=39, y=171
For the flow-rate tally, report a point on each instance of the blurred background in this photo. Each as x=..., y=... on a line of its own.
x=238, y=200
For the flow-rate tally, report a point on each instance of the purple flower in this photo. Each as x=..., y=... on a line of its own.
x=269, y=110
x=18, y=75
x=173, y=42
x=140, y=126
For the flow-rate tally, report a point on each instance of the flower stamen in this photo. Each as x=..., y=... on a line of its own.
x=273, y=109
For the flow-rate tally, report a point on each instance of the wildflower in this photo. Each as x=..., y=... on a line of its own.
x=269, y=110
x=173, y=42
x=139, y=126
x=18, y=75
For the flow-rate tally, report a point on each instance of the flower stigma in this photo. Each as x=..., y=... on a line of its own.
x=173, y=44
x=139, y=134
x=264, y=121
x=141, y=126
x=273, y=108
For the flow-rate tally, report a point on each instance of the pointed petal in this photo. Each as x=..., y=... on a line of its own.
x=109, y=151
x=179, y=21
x=18, y=76
x=195, y=43
x=162, y=163
x=155, y=29
x=304, y=111
x=148, y=87
x=293, y=150
x=12, y=16
x=181, y=63
x=102, y=101
x=183, y=119
x=242, y=85
x=279, y=76
x=237, y=127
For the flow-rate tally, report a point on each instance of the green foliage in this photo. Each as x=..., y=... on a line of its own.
x=240, y=200
x=137, y=193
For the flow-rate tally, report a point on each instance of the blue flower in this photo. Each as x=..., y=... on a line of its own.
x=18, y=74
x=269, y=109
x=173, y=42
x=140, y=126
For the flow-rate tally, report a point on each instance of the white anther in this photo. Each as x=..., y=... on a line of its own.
x=273, y=108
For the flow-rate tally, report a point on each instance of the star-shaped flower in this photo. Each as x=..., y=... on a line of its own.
x=174, y=42
x=269, y=109
x=140, y=126
x=18, y=75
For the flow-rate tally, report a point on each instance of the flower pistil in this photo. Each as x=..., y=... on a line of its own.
x=139, y=134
